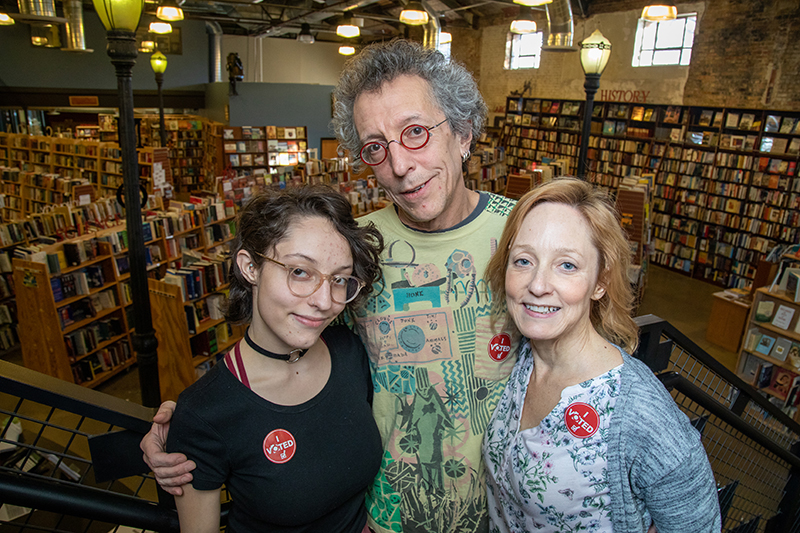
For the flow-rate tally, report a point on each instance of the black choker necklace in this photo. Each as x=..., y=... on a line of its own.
x=291, y=357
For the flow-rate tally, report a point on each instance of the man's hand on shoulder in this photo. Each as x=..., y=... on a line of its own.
x=172, y=470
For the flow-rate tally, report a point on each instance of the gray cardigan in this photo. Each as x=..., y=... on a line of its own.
x=656, y=460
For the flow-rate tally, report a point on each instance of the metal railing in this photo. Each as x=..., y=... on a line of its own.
x=76, y=465
x=70, y=460
x=751, y=444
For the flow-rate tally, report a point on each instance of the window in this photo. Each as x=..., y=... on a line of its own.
x=664, y=43
x=523, y=50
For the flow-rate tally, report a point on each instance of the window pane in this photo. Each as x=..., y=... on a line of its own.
x=523, y=51
x=666, y=57
x=688, y=34
x=670, y=34
x=649, y=35
x=664, y=43
x=526, y=62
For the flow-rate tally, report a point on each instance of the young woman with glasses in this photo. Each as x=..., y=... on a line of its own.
x=285, y=420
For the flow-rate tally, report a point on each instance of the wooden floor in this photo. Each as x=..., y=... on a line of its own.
x=686, y=304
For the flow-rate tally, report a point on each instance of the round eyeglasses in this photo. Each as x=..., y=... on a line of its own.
x=413, y=137
x=304, y=281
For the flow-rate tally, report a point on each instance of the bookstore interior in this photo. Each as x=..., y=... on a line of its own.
x=708, y=191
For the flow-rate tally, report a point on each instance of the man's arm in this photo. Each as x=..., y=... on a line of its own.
x=172, y=470
x=198, y=510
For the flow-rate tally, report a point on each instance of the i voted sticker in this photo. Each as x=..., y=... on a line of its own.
x=279, y=446
x=500, y=347
x=581, y=419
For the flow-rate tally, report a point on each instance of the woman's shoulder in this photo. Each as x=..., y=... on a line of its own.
x=210, y=384
x=649, y=407
x=339, y=333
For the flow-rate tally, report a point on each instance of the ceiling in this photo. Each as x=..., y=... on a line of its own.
x=379, y=19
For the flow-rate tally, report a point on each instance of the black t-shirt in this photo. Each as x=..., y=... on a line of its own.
x=299, y=468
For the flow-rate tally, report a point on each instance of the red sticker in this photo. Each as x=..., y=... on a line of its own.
x=581, y=419
x=500, y=346
x=279, y=446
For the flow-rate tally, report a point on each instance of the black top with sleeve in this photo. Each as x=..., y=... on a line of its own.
x=311, y=476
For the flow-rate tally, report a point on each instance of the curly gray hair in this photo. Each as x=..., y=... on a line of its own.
x=452, y=86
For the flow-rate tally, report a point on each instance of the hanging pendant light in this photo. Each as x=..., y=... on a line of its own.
x=347, y=50
x=5, y=20
x=160, y=27
x=659, y=13
x=347, y=28
x=414, y=14
x=305, y=34
x=524, y=23
x=533, y=3
x=170, y=11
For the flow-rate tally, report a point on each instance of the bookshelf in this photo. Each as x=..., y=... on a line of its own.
x=193, y=343
x=72, y=325
x=245, y=150
x=726, y=189
x=770, y=354
x=74, y=315
x=287, y=147
x=487, y=166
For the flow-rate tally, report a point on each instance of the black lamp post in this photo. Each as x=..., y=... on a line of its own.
x=120, y=18
x=595, y=51
x=159, y=63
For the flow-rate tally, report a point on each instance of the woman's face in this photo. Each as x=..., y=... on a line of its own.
x=552, y=274
x=282, y=321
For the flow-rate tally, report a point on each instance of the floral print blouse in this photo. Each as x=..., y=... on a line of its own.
x=553, y=477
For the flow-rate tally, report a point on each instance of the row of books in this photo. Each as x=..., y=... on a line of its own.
x=86, y=340
x=773, y=379
x=6, y=285
x=8, y=337
x=77, y=283
x=198, y=279
x=208, y=344
x=202, y=310
x=89, y=368
x=8, y=313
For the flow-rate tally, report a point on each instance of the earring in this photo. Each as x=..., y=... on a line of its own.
x=465, y=156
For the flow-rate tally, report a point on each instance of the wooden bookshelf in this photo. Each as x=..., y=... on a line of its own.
x=726, y=189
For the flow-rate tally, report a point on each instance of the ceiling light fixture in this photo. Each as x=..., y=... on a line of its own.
x=659, y=13
x=532, y=3
x=347, y=28
x=147, y=46
x=524, y=23
x=160, y=27
x=170, y=11
x=445, y=37
x=414, y=14
x=347, y=50
x=305, y=34
x=5, y=20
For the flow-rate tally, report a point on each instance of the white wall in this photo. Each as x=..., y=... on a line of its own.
x=273, y=60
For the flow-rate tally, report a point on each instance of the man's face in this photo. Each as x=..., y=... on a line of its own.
x=426, y=184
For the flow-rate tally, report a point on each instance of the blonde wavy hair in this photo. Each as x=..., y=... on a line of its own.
x=611, y=314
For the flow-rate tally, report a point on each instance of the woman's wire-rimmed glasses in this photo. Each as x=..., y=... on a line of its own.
x=304, y=281
x=413, y=137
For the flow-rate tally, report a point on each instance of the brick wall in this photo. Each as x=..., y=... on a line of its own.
x=740, y=47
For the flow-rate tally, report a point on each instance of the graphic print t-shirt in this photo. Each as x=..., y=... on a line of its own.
x=438, y=371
